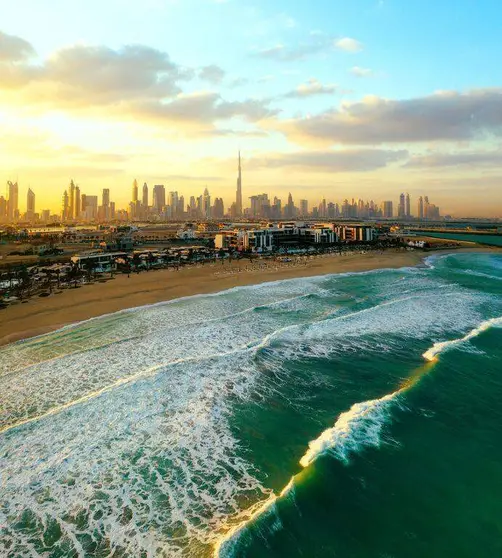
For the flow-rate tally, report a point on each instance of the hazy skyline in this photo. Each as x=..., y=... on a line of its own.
x=333, y=100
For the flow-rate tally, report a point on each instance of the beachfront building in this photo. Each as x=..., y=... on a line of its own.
x=285, y=235
x=99, y=262
x=355, y=233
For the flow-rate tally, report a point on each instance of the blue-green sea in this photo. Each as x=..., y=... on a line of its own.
x=354, y=415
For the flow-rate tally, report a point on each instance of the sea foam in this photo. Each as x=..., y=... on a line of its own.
x=443, y=346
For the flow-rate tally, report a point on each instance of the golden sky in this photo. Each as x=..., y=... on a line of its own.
x=358, y=104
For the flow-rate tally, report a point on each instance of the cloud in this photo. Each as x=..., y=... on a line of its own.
x=203, y=108
x=447, y=116
x=349, y=45
x=314, y=44
x=225, y=132
x=132, y=82
x=311, y=88
x=351, y=160
x=238, y=82
x=98, y=74
x=212, y=73
x=361, y=72
x=14, y=49
x=459, y=159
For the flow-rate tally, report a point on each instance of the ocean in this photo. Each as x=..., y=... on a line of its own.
x=352, y=415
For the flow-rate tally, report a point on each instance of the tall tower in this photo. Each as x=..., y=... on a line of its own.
x=30, y=205
x=408, y=206
x=65, y=207
x=401, y=207
x=72, y=201
x=238, y=194
x=135, y=191
x=145, y=195
x=77, y=202
x=12, y=203
x=420, y=207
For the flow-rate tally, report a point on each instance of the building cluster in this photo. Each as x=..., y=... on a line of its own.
x=171, y=206
x=274, y=236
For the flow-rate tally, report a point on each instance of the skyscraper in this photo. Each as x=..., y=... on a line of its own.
x=65, y=207
x=159, y=197
x=420, y=208
x=238, y=194
x=304, y=208
x=105, y=205
x=218, y=208
x=408, y=206
x=206, y=204
x=106, y=197
x=290, y=210
x=71, y=202
x=135, y=191
x=387, y=210
x=3, y=209
x=77, y=202
x=145, y=196
x=401, y=210
x=13, y=203
x=30, y=205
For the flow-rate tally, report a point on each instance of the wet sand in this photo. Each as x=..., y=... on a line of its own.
x=42, y=315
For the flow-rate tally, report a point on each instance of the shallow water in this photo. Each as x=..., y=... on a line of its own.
x=163, y=430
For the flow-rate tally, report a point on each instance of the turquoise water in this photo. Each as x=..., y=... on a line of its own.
x=490, y=239
x=171, y=430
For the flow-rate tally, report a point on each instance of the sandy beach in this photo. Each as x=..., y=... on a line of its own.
x=41, y=315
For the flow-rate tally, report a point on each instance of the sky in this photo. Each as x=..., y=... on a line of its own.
x=326, y=99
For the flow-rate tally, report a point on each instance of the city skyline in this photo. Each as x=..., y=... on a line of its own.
x=338, y=101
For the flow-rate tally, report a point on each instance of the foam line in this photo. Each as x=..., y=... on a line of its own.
x=443, y=346
x=358, y=427
x=129, y=380
x=248, y=310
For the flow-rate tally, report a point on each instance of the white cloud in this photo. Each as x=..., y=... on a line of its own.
x=349, y=45
x=361, y=72
x=313, y=87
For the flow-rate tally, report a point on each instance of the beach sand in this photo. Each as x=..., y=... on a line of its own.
x=42, y=315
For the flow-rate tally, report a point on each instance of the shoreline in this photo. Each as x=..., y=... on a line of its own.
x=44, y=315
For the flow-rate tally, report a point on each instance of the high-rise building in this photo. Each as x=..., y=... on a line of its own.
x=45, y=215
x=90, y=207
x=401, y=210
x=260, y=206
x=159, y=198
x=135, y=191
x=13, y=201
x=218, y=208
x=104, y=213
x=71, y=202
x=387, y=210
x=304, y=208
x=408, y=206
x=420, y=208
x=30, y=205
x=206, y=204
x=77, y=202
x=290, y=209
x=3, y=209
x=172, y=202
x=144, y=199
x=238, y=194
x=65, y=207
